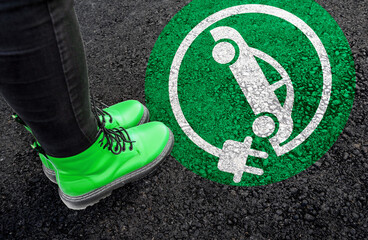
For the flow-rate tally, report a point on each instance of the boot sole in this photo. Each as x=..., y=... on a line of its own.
x=51, y=175
x=93, y=197
x=145, y=117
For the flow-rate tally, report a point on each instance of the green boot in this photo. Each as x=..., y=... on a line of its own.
x=117, y=157
x=125, y=114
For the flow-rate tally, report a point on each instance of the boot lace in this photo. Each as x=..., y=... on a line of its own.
x=103, y=114
x=116, y=138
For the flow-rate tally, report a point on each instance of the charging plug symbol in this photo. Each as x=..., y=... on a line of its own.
x=234, y=155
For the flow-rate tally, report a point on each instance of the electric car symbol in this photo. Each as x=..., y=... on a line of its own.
x=260, y=96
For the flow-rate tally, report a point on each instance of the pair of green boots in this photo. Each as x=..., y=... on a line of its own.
x=117, y=157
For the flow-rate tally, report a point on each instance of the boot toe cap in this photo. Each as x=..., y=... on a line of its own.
x=128, y=113
x=151, y=139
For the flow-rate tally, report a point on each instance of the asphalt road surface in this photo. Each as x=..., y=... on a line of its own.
x=327, y=201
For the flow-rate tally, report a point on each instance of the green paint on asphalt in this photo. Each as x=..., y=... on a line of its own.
x=214, y=104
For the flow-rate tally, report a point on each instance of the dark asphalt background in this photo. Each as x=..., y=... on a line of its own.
x=327, y=201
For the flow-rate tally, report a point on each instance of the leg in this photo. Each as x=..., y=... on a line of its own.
x=43, y=77
x=43, y=74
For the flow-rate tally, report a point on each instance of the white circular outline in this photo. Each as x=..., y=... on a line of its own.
x=242, y=9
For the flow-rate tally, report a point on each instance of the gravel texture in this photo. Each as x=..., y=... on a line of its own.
x=327, y=201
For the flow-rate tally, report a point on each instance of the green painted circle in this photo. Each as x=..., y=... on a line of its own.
x=214, y=104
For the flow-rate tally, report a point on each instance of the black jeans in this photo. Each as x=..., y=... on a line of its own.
x=43, y=73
